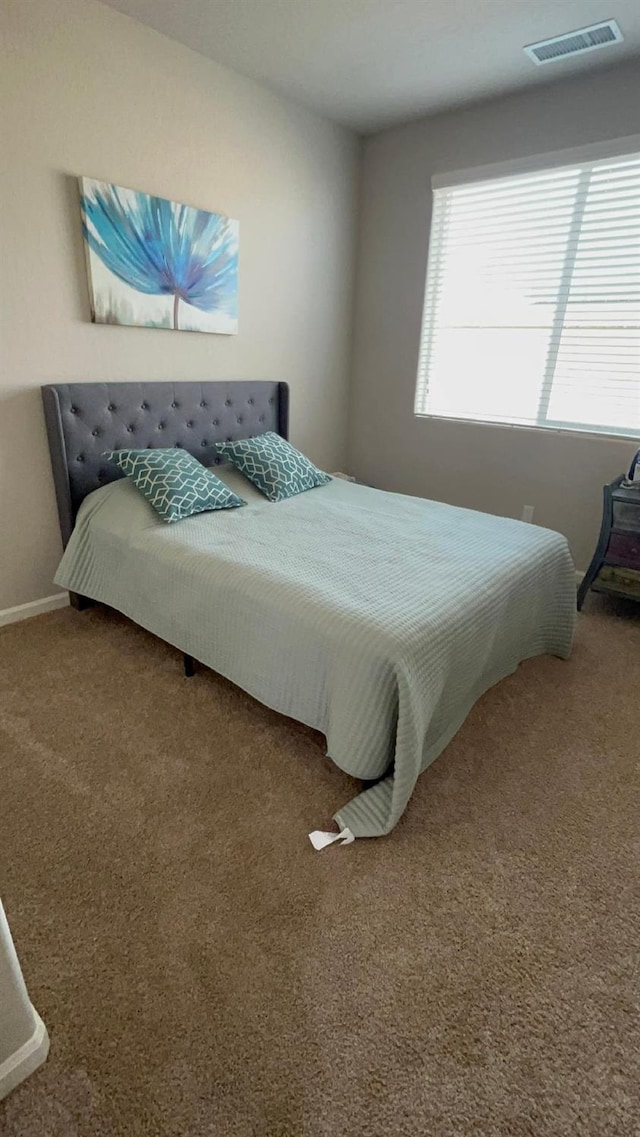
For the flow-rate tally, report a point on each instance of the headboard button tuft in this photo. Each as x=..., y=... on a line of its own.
x=227, y=402
x=73, y=410
x=144, y=406
x=174, y=405
x=189, y=424
x=203, y=404
x=95, y=433
x=111, y=407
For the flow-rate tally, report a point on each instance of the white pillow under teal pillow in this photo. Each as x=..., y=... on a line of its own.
x=174, y=482
x=274, y=466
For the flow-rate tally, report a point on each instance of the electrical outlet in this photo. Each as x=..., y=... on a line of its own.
x=527, y=513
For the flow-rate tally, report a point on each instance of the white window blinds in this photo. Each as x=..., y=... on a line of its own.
x=532, y=302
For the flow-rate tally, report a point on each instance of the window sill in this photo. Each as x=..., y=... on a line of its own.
x=576, y=432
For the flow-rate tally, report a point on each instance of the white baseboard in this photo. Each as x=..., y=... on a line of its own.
x=25, y=1060
x=33, y=608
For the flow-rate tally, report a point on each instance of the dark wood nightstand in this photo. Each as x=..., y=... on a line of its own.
x=615, y=567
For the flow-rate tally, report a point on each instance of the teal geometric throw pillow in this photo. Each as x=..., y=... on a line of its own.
x=174, y=482
x=274, y=466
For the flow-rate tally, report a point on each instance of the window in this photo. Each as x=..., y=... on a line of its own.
x=532, y=302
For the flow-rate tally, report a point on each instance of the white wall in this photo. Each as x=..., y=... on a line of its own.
x=483, y=467
x=86, y=90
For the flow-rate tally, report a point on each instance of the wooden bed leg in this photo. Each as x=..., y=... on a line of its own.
x=80, y=602
x=189, y=665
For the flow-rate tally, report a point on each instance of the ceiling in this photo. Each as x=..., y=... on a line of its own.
x=373, y=63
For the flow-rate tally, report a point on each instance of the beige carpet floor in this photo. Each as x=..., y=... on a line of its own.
x=202, y=971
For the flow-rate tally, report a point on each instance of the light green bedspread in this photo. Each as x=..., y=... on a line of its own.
x=376, y=618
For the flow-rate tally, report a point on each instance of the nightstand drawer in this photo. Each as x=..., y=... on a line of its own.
x=624, y=549
x=627, y=516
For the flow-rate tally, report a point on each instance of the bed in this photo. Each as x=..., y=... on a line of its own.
x=375, y=618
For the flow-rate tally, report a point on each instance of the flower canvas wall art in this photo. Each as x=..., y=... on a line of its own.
x=157, y=264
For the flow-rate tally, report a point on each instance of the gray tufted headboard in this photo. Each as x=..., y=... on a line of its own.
x=85, y=419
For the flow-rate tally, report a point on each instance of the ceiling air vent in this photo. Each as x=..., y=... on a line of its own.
x=575, y=43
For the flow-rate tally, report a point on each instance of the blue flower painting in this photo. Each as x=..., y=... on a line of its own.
x=158, y=264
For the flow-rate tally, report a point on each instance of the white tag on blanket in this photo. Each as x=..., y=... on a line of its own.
x=319, y=839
